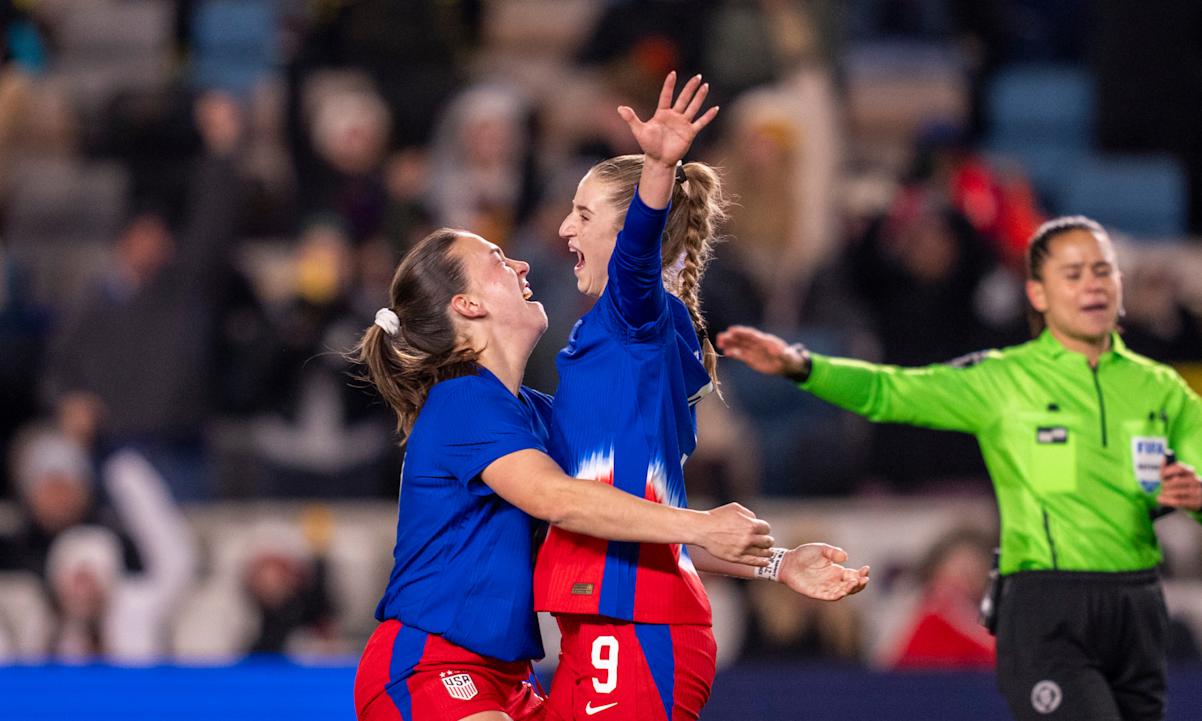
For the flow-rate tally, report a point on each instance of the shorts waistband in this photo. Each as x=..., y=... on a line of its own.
x=1129, y=578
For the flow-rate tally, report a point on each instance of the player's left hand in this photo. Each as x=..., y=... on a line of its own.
x=815, y=570
x=1180, y=487
x=666, y=136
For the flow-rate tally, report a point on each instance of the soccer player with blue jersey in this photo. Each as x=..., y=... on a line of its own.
x=457, y=625
x=637, y=642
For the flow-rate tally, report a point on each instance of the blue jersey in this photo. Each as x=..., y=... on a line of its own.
x=463, y=554
x=624, y=414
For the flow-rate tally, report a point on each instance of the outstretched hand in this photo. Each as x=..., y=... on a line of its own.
x=815, y=570
x=762, y=352
x=666, y=136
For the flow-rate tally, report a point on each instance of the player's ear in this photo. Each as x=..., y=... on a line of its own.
x=467, y=306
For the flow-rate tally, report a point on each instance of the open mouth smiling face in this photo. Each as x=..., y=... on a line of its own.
x=591, y=229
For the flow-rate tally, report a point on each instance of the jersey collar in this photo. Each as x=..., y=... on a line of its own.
x=1056, y=351
x=521, y=396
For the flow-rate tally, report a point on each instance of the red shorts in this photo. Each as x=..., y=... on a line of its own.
x=410, y=675
x=616, y=671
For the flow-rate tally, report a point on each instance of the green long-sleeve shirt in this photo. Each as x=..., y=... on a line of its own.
x=1074, y=452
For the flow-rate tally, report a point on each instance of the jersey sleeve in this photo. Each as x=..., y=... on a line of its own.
x=635, y=268
x=954, y=397
x=479, y=423
x=1185, y=426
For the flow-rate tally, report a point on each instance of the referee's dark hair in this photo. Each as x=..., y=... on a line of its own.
x=1039, y=248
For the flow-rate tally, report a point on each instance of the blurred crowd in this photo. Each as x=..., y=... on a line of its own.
x=202, y=202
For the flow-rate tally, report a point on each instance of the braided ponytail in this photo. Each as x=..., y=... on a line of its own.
x=698, y=209
x=425, y=349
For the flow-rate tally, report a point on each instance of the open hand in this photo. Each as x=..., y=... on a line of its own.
x=815, y=570
x=762, y=352
x=667, y=135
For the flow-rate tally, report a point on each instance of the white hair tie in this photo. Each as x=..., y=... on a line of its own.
x=388, y=320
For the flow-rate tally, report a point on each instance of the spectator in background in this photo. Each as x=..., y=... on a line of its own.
x=103, y=611
x=918, y=261
x=57, y=491
x=782, y=156
x=378, y=37
x=268, y=592
x=641, y=41
x=407, y=218
x=139, y=346
x=1157, y=323
x=482, y=169
x=1001, y=207
x=15, y=68
x=24, y=326
x=737, y=45
x=945, y=631
x=349, y=126
x=284, y=584
x=922, y=260
x=25, y=619
x=267, y=167
x=765, y=42
x=323, y=436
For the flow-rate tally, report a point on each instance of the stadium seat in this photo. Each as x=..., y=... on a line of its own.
x=894, y=89
x=1047, y=165
x=111, y=46
x=63, y=215
x=1041, y=116
x=1041, y=104
x=1140, y=195
x=233, y=43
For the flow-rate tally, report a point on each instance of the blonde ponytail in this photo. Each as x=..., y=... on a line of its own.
x=698, y=209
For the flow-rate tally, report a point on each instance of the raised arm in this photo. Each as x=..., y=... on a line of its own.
x=636, y=268
x=530, y=480
x=159, y=530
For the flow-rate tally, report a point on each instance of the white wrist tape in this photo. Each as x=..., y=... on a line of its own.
x=772, y=570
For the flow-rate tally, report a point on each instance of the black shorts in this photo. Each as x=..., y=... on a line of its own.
x=1088, y=646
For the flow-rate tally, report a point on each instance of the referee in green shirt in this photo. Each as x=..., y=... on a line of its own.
x=1074, y=428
